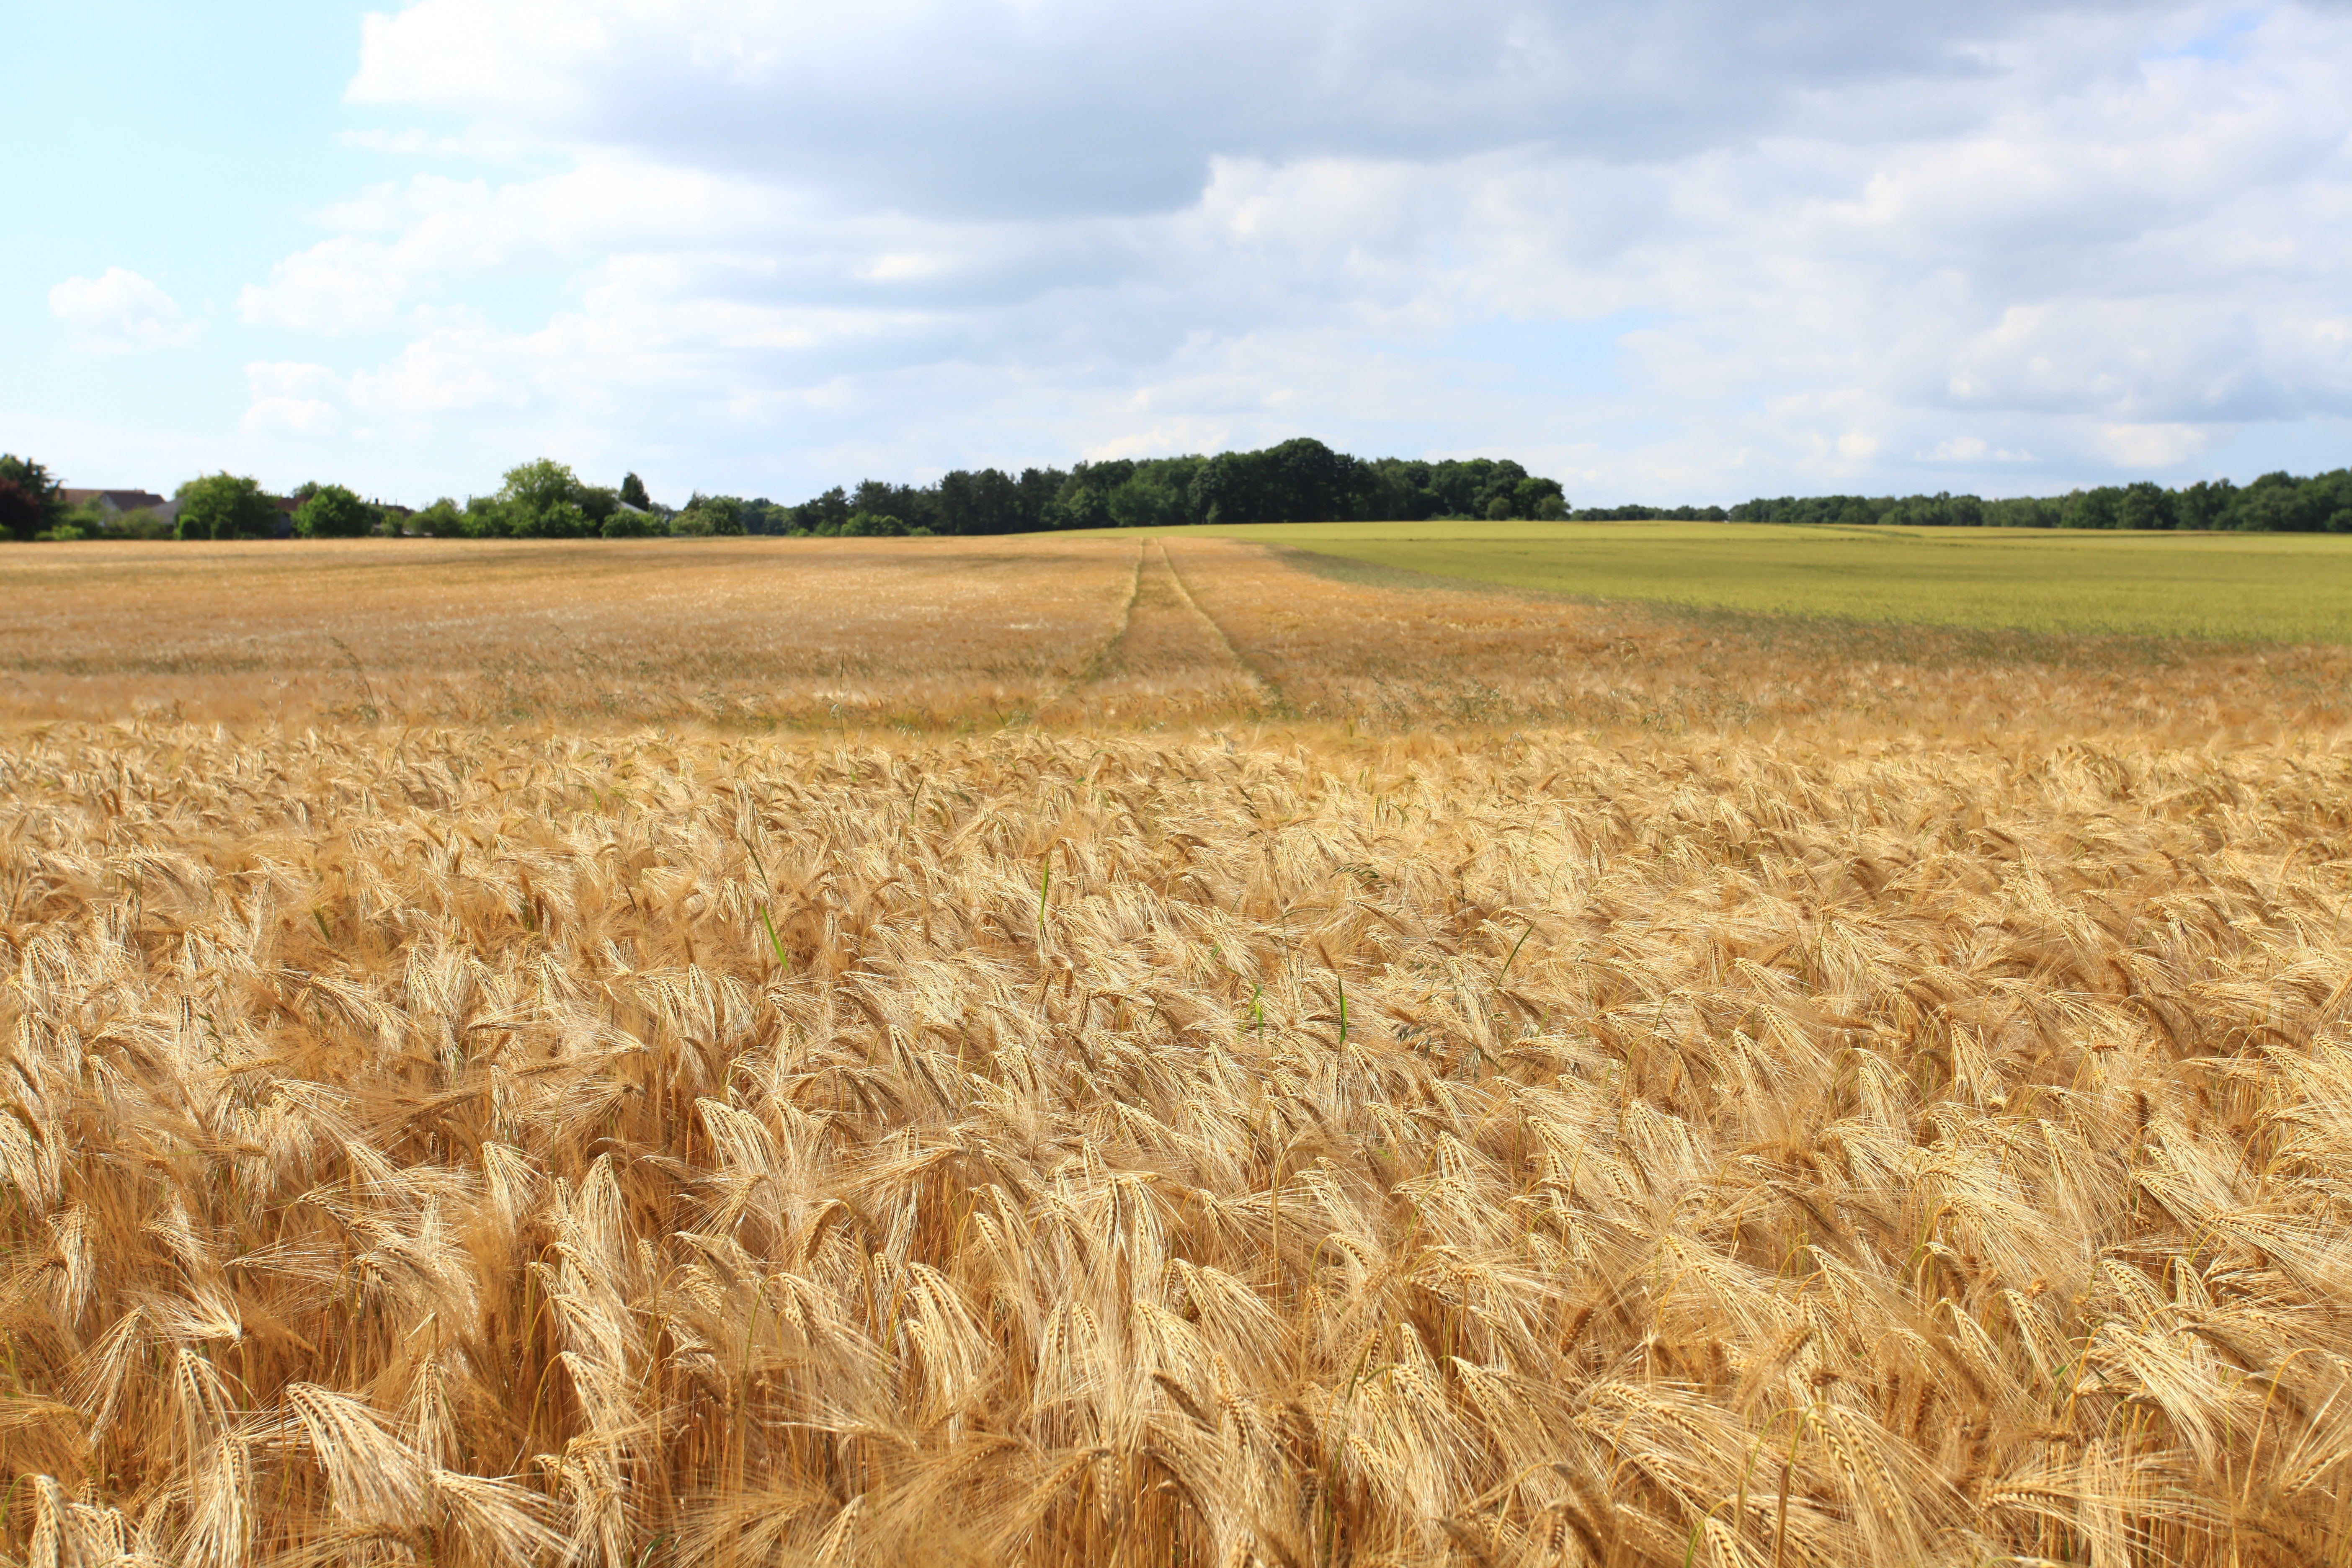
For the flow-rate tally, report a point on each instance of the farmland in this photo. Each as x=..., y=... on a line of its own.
x=1120, y=1050
x=2277, y=587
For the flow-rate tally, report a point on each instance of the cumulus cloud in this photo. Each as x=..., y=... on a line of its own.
x=1685, y=249
x=118, y=312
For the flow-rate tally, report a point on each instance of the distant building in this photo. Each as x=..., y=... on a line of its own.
x=112, y=504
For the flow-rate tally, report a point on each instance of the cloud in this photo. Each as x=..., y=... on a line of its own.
x=1682, y=249
x=118, y=312
x=1031, y=108
x=1972, y=449
x=293, y=399
x=2152, y=445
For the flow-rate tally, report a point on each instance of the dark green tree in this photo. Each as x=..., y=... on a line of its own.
x=987, y=501
x=1080, y=505
x=2332, y=495
x=2144, y=505
x=633, y=491
x=1233, y=487
x=597, y=503
x=226, y=506
x=1536, y=497
x=30, y=501
x=2094, y=508
x=825, y=514
x=331, y=511
x=485, y=517
x=2281, y=503
x=711, y=514
x=1151, y=497
x=2205, y=505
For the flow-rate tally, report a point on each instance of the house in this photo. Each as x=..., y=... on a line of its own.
x=112, y=504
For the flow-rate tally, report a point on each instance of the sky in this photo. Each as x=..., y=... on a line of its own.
x=1665, y=250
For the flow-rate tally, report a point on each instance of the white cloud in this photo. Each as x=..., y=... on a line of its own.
x=1972, y=449
x=1683, y=249
x=118, y=312
x=2151, y=446
x=293, y=399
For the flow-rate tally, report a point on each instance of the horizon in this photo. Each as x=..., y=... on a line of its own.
x=418, y=503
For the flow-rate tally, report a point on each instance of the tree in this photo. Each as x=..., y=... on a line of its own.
x=826, y=513
x=713, y=514
x=1299, y=480
x=988, y=501
x=2281, y=503
x=542, y=500
x=597, y=503
x=226, y=506
x=1231, y=487
x=485, y=517
x=2094, y=508
x=1079, y=505
x=1036, y=490
x=2144, y=505
x=331, y=511
x=30, y=501
x=919, y=508
x=633, y=492
x=442, y=520
x=1536, y=497
x=20, y=511
x=2332, y=497
x=1149, y=500
x=2207, y=504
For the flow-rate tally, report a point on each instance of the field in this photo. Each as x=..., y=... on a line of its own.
x=2272, y=587
x=1125, y=1051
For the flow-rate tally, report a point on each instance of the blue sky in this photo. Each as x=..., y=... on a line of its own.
x=1667, y=250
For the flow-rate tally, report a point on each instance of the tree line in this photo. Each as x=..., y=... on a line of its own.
x=1300, y=480
x=2276, y=504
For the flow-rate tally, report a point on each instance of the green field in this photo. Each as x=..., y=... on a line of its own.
x=2265, y=587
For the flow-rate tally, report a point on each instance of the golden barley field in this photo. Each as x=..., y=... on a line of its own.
x=1097, y=1052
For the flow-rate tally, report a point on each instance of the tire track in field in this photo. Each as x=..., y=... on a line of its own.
x=1091, y=669
x=1275, y=703
x=1167, y=659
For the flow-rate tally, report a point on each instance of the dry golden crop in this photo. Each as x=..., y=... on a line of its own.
x=1754, y=1113
x=925, y=634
